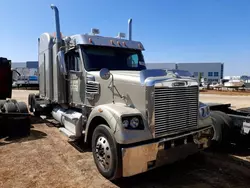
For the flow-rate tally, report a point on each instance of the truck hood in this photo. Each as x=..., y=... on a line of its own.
x=144, y=77
x=122, y=76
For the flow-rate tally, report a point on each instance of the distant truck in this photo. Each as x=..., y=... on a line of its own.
x=14, y=116
x=99, y=89
x=231, y=126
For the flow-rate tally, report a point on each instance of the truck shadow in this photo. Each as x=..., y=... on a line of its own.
x=34, y=135
x=47, y=121
x=197, y=171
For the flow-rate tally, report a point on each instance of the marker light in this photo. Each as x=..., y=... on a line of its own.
x=134, y=122
x=112, y=42
x=140, y=46
x=124, y=44
x=125, y=123
x=90, y=40
x=54, y=34
x=118, y=42
x=95, y=31
x=121, y=35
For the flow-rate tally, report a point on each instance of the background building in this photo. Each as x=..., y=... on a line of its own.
x=28, y=73
x=209, y=71
x=27, y=64
x=161, y=65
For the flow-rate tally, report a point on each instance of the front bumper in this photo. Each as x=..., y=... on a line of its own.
x=139, y=159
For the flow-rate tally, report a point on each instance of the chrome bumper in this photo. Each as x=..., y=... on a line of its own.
x=139, y=159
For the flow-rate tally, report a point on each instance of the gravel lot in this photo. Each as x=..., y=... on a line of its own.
x=46, y=159
x=235, y=101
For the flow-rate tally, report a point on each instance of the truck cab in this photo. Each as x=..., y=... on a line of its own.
x=99, y=89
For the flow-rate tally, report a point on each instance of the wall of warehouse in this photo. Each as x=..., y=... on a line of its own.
x=209, y=71
x=27, y=64
x=161, y=65
x=28, y=68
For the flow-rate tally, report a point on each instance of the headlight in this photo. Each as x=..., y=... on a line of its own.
x=125, y=123
x=133, y=122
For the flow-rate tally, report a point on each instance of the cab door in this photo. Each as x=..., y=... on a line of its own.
x=75, y=77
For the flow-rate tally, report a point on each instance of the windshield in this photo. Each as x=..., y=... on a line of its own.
x=98, y=57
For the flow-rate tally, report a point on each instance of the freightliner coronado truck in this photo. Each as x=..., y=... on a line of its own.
x=99, y=89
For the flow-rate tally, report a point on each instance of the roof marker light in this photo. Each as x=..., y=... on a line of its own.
x=121, y=35
x=118, y=42
x=112, y=42
x=90, y=40
x=95, y=31
x=124, y=44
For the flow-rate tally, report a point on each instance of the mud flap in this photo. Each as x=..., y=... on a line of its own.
x=14, y=125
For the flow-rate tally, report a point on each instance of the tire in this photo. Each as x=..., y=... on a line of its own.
x=33, y=106
x=10, y=107
x=30, y=98
x=13, y=100
x=221, y=128
x=103, y=143
x=22, y=107
x=2, y=102
x=227, y=119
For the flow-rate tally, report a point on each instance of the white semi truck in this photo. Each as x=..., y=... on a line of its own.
x=99, y=89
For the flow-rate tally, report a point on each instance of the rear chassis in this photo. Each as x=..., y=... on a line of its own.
x=240, y=123
x=14, y=116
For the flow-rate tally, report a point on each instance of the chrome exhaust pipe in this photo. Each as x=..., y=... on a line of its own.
x=130, y=29
x=57, y=20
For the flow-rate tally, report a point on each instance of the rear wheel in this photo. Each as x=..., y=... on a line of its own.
x=13, y=100
x=106, y=152
x=222, y=125
x=9, y=107
x=33, y=105
x=30, y=98
x=2, y=102
x=22, y=107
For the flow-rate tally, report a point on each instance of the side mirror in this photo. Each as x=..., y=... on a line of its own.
x=15, y=75
x=60, y=56
x=104, y=74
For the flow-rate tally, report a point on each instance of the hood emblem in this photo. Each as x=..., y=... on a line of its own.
x=178, y=84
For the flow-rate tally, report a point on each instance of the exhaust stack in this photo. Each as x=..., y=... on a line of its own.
x=57, y=20
x=130, y=29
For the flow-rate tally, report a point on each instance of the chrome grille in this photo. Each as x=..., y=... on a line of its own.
x=176, y=109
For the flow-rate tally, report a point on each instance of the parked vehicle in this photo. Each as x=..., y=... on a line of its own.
x=230, y=124
x=232, y=83
x=14, y=116
x=99, y=89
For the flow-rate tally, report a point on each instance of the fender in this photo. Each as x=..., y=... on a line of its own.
x=112, y=114
x=205, y=122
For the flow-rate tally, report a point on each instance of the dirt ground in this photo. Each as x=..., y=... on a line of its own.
x=234, y=100
x=227, y=92
x=46, y=159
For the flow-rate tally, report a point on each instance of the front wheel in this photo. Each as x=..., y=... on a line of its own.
x=106, y=153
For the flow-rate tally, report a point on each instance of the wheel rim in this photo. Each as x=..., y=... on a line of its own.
x=103, y=153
